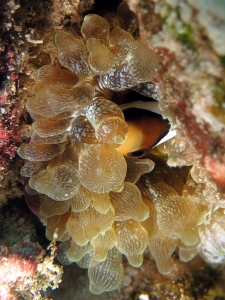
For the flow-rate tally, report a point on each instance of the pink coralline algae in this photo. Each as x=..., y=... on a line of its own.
x=17, y=269
x=26, y=271
x=9, y=110
x=14, y=270
x=9, y=137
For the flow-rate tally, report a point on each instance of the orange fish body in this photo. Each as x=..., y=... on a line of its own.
x=146, y=129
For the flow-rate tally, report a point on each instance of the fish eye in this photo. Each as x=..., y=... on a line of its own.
x=139, y=153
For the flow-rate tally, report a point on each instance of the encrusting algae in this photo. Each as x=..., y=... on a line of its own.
x=102, y=200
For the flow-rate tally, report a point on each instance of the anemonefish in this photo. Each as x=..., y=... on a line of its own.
x=147, y=128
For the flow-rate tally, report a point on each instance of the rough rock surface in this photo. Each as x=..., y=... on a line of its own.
x=26, y=43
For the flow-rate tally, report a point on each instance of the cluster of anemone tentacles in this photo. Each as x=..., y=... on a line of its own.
x=90, y=193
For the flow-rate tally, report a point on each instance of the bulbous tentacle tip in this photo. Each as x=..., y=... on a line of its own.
x=135, y=260
x=119, y=138
x=165, y=267
x=190, y=237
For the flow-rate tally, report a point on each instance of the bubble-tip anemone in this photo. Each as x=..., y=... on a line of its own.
x=90, y=190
